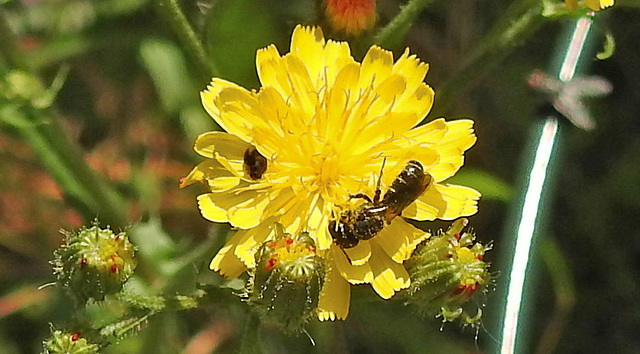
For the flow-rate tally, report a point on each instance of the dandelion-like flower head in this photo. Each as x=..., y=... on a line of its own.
x=322, y=124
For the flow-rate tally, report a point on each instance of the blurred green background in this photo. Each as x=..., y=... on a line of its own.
x=129, y=106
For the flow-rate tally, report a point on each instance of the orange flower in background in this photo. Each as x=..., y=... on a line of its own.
x=351, y=16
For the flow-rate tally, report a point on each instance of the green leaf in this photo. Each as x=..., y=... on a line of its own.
x=167, y=68
x=155, y=246
x=227, y=23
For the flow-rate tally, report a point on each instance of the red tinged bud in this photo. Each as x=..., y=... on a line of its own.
x=351, y=16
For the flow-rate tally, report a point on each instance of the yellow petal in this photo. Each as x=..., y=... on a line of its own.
x=222, y=184
x=444, y=201
x=280, y=202
x=226, y=261
x=606, y=3
x=307, y=43
x=211, y=172
x=213, y=89
x=210, y=210
x=274, y=111
x=270, y=70
x=388, y=276
x=250, y=240
x=421, y=99
x=323, y=238
x=412, y=69
x=399, y=239
x=207, y=170
x=304, y=95
x=227, y=145
x=458, y=138
x=376, y=67
x=384, y=127
x=339, y=97
x=318, y=223
x=430, y=132
x=214, y=206
x=334, y=297
x=337, y=55
x=359, y=254
x=353, y=274
x=397, y=160
x=249, y=213
x=597, y=5
x=237, y=111
x=222, y=100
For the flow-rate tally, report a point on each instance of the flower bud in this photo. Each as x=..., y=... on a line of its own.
x=446, y=271
x=68, y=343
x=351, y=16
x=94, y=262
x=285, y=285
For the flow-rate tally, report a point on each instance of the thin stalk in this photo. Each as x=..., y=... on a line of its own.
x=170, y=10
x=83, y=188
x=394, y=32
x=251, y=342
x=8, y=47
x=520, y=21
x=564, y=288
x=529, y=215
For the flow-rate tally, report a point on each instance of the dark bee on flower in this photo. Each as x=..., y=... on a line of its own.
x=370, y=218
x=407, y=187
x=254, y=163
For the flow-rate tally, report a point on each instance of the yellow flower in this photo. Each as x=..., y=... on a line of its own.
x=322, y=125
x=595, y=5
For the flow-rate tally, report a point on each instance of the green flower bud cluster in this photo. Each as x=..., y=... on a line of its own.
x=284, y=287
x=68, y=343
x=94, y=262
x=446, y=271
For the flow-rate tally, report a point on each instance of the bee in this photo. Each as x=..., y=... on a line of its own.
x=406, y=188
x=254, y=163
x=370, y=218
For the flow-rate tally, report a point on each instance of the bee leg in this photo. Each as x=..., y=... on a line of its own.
x=362, y=196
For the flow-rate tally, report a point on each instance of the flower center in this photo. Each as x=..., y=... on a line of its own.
x=296, y=259
x=327, y=167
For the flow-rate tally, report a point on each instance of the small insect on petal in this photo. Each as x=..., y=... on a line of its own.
x=255, y=165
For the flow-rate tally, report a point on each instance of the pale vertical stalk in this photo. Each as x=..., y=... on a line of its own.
x=537, y=189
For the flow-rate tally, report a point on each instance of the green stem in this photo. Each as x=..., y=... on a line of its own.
x=171, y=11
x=563, y=285
x=520, y=21
x=394, y=32
x=9, y=52
x=84, y=189
x=251, y=336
